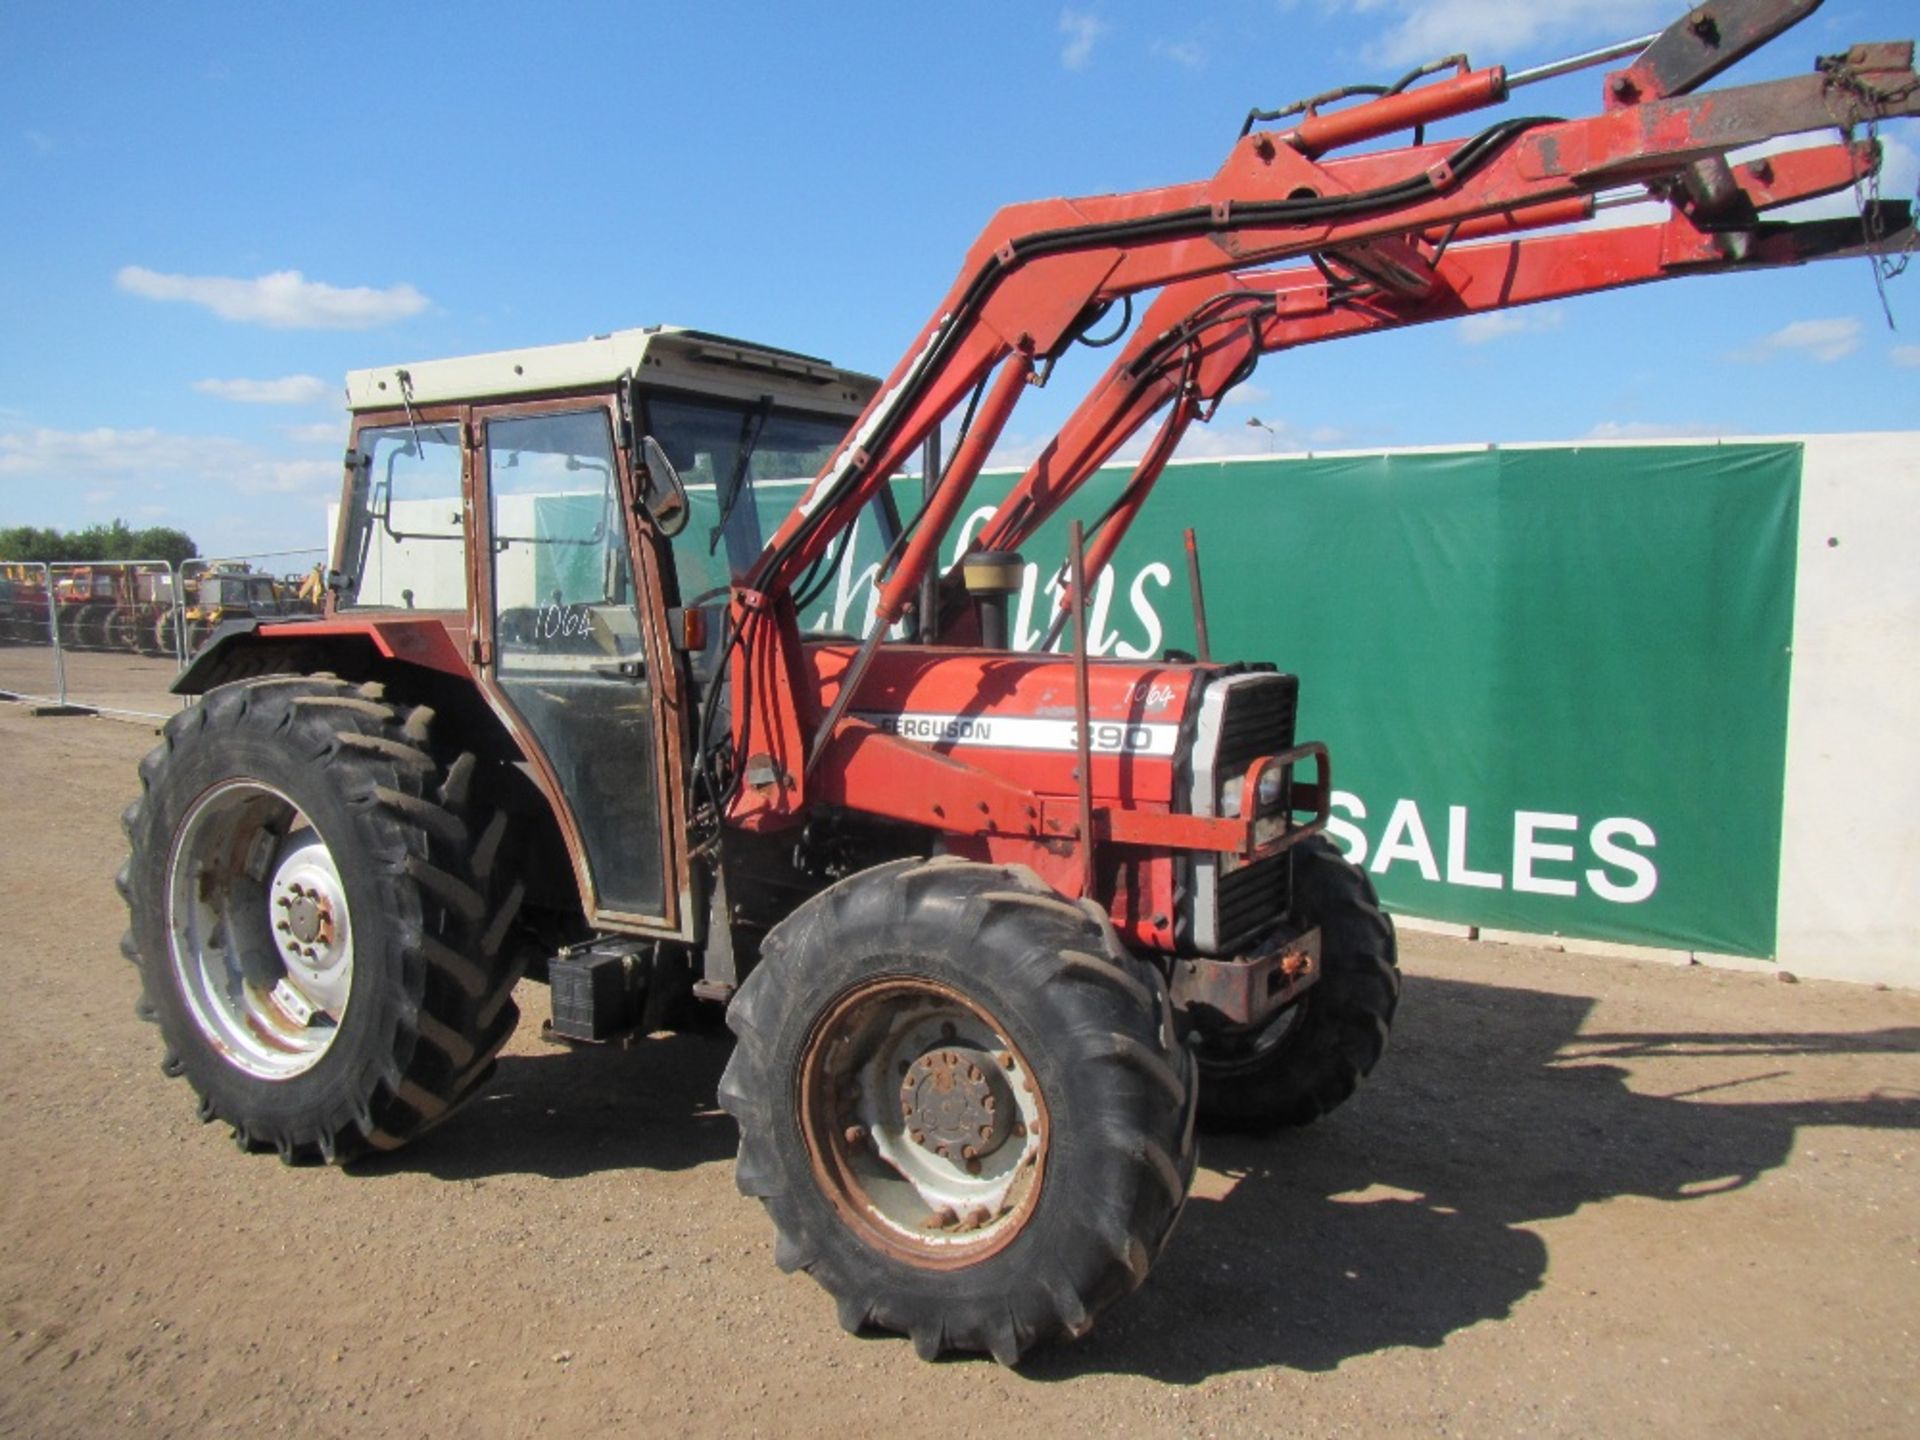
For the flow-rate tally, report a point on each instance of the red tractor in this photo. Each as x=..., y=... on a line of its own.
x=994, y=929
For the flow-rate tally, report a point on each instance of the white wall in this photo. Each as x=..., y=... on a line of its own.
x=1850, y=847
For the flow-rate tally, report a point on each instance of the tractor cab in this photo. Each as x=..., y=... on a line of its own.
x=509, y=497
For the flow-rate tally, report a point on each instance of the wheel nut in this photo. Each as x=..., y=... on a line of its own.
x=1005, y=1057
x=969, y=1152
x=973, y=1167
x=856, y=1134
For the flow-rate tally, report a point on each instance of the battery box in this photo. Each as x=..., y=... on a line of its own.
x=596, y=989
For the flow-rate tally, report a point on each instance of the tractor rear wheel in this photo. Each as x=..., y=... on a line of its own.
x=963, y=1104
x=123, y=629
x=320, y=916
x=73, y=623
x=1314, y=1054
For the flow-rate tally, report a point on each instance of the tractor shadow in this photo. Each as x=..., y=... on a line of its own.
x=563, y=1112
x=1403, y=1218
x=1396, y=1222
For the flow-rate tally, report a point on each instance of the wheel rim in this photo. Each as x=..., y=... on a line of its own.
x=925, y=1125
x=259, y=929
x=1241, y=1049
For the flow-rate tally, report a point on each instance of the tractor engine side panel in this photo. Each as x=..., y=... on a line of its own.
x=1013, y=715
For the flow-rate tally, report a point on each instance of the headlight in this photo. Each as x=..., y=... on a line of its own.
x=1266, y=794
x=1273, y=780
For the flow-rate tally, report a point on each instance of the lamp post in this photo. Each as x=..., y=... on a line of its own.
x=1254, y=422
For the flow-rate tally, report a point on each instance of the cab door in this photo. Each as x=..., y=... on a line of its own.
x=570, y=651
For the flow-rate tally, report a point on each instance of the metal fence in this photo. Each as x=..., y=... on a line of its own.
x=108, y=637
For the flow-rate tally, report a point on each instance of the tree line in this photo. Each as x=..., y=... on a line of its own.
x=118, y=541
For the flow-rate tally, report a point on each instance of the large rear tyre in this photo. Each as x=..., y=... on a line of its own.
x=74, y=622
x=319, y=916
x=963, y=1104
x=1312, y=1055
x=124, y=629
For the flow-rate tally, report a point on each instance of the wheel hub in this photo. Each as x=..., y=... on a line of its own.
x=955, y=1104
x=306, y=904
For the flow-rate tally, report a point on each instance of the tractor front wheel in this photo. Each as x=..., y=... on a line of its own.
x=1313, y=1055
x=963, y=1104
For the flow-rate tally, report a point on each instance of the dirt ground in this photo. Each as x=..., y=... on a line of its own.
x=113, y=680
x=1581, y=1197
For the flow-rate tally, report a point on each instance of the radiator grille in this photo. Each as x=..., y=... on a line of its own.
x=1238, y=901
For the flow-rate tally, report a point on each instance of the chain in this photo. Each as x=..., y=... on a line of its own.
x=1866, y=189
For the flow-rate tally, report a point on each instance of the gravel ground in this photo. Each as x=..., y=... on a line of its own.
x=1581, y=1197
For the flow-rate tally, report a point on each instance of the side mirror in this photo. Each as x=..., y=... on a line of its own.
x=663, y=494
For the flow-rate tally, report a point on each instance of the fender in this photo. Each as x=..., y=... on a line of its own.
x=431, y=640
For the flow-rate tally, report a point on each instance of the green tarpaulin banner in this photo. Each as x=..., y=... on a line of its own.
x=1554, y=681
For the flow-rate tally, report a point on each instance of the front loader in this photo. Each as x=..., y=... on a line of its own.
x=638, y=675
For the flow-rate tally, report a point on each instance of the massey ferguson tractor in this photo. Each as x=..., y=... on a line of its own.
x=994, y=930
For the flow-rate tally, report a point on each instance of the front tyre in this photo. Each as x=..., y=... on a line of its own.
x=318, y=916
x=963, y=1104
x=1313, y=1055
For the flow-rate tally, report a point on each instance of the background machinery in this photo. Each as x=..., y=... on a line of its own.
x=994, y=930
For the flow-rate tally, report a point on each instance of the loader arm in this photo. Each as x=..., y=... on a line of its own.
x=1042, y=273
x=1202, y=337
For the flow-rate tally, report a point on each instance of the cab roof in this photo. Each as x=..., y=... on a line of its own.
x=667, y=355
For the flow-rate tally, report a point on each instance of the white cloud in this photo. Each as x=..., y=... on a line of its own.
x=105, y=454
x=1498, y=324
x=326, y=432
x=1083, y=31
x=284, y=300
x=1655, y=430
x=287, y=390
x=1279, y=437
x=1823, y=340
x=1188, y=54
x=1907, y=356
x=1502, y=30
x=1246, y=393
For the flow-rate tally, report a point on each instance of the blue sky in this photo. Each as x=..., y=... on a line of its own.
x=212, y=211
